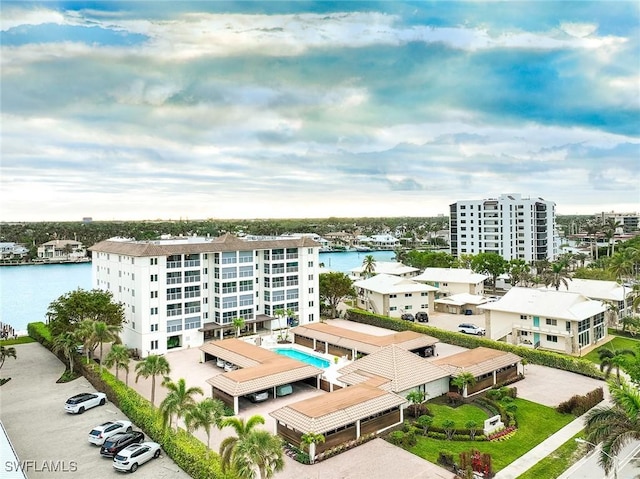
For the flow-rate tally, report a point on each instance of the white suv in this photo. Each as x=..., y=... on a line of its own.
x=101, y=433
x=470, y=328
x=81, y=402
x=135, y=455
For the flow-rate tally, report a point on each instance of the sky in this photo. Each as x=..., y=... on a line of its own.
x=175, y=109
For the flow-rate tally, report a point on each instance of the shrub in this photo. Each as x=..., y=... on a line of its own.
x=454, y=398
x=396, y=437
x=445, y=458
x=578, y=405
x=40, y=332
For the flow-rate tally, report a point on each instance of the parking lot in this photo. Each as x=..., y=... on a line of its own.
x=45, y=436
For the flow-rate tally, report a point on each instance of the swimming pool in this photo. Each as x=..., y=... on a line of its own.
x=304, y=357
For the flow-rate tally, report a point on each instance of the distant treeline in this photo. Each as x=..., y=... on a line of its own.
x=90, y=233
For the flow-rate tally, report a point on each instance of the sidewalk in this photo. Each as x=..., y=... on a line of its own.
x=546, y=447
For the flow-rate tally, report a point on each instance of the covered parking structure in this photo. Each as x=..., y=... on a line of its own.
x=329, y=339
x=260, y=370
x=462, y=303
x=488, y=366
x=342, y=416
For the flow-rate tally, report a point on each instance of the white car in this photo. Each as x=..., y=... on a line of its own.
x=229, y=366
x=135, y=455
x=470, y=328
x=220, y=362
x=81, y=402
x=101, y=433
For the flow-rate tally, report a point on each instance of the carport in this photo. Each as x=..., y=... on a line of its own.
x=261, y=370
x=329, y=339
x=463, y=303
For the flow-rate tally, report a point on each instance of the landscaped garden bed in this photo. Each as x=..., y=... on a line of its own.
x=527, y=424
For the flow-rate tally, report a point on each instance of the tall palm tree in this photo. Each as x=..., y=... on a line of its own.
x=66, y=343
x=308, y=441
x=258, y=455
x=242, y=428
x=208, y=412
x=462, y=380
x=557, y=275
x=613, y=358
x=103, y=333
x=84, y=334
x=610, y=227
x=178, y=400
x=369, y=266
x=617, y=425
x=5, y=353
x=153, y=365
x=118, y=357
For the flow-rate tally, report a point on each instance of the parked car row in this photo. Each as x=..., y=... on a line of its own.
x=226, y=365
x=421, y=317
x=116, y=439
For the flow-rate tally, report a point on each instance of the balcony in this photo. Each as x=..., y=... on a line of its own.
x=191, y=263
x=174, y=264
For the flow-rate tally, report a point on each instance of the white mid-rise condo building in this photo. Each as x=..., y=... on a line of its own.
x=511, y=226
x=181, y=292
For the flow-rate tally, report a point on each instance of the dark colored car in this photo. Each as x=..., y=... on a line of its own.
x=407, y=317
x=422, y=317
x=118, y=442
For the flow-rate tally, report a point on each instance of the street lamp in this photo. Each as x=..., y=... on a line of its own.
x=613, y=458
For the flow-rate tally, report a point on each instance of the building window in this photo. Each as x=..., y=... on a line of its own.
x=154, y=344
x=310, y=277
x=153, y=311
x=393, y=308
x=424, y=293
x=524, y=317
x=174, y=325
x=310, y=264
x=174, y=293
x=408, y=295
x=231, y=302
x=229, y=287
x=393, y=295
x=192, y=323
x=551, y=322
x=552, y=339
x=424, y=306
x=154, y=327
x=408, y=307
x=311, y=304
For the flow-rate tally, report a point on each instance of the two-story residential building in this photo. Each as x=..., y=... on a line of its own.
x=59, y=250
x=385, y=267
x=548, y=319
x=394, y=296
x=180, y=292
x=450, y=281
x=615, y=294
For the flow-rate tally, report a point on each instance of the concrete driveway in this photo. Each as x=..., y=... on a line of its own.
x=32, y=411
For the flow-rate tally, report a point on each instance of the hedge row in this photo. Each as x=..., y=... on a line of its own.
x=533, y=356
x=188, y=452
x=578, y=405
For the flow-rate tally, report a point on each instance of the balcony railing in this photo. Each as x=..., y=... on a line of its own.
x=174, y=264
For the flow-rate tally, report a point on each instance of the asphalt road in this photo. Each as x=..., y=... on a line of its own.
x=588, y=467
x=49, y=442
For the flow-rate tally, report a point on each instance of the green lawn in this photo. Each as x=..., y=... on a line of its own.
x=535, y=424
x=19, y=340
x=617, y=342
x=459, y=415
x=558, y=461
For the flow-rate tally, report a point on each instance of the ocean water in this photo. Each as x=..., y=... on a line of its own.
x=27, y=291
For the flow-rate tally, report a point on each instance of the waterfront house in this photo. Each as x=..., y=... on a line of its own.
x=559, y=321
x=10, y=250
x=61, y=250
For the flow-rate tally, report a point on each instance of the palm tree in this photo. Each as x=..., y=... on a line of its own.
x=118, y=357
x=617, y=425
x=84, y=334
x=415, y=398
x=464, y=379
x=102, y=333
x=208, y=412
x=369, y=266
x=153, y=365
x=613, y=358
x=238, y=323
x=308, y=441
x=66, y=343
x=557, y=275
x=258, y=455
x=6, y=353
x=242, y=428
x=610, y=227
x=178, y=400
x=592, y=228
